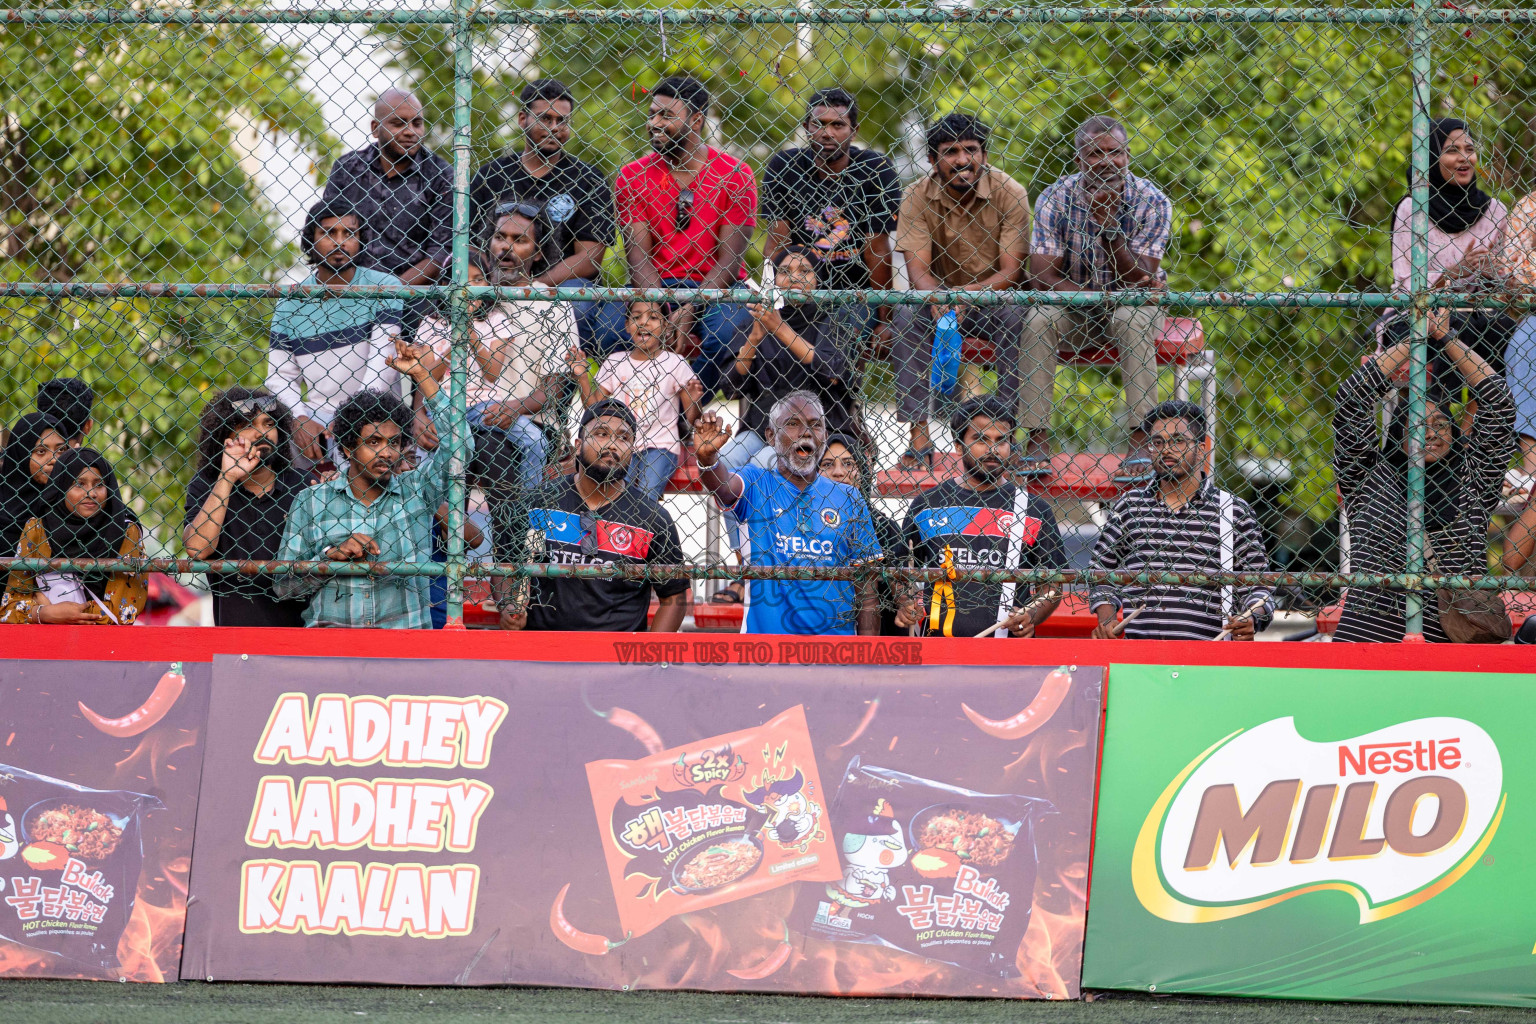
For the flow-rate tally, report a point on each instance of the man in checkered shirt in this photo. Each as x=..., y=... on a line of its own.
x=1100, y=229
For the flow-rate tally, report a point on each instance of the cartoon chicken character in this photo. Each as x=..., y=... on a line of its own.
x=791, y=814
x=8, y=842
x=871, y=853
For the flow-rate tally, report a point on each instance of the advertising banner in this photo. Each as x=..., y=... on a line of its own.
x=865, y=828
x=1315, y=834
x=99, y=770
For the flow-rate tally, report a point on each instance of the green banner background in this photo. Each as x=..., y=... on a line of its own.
x=1470, y=943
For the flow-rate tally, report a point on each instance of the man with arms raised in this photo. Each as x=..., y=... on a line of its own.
x=371, y=512
x=986, y=521
x=794, y=516
x=593, y=517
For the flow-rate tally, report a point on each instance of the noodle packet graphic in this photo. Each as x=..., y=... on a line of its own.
x=69, y=865
x=714, y=821
x=930, y=868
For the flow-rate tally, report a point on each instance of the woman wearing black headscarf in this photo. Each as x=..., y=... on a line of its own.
x=1464, y=232
x=844, y=461
x=1463, y=473
x=82, y=516
x=25, y=462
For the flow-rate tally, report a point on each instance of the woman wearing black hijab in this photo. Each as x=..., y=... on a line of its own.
x=82, y=516
x=25, y=462
x=1465, y=226
x=845, y=461
x=1463, y=473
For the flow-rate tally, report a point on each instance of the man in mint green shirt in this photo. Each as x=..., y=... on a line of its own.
x=370, y=512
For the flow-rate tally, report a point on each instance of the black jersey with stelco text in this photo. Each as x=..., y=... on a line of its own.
x=979, y=528
x=630, y=528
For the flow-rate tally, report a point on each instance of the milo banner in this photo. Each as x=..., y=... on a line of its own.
x=1316, y=834
x=99, y=766
x=856, y=829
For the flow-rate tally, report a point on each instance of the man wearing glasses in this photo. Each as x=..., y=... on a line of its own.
x=1180, y=522
x=571, y=196
x=688, y=211
x=593, y=518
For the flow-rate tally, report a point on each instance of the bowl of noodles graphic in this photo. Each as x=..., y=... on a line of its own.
x=88, y=828
x=946, y=837
x=712, y=866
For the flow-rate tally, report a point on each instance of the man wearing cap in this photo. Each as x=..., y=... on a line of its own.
x=592, y=518
x=68, y=401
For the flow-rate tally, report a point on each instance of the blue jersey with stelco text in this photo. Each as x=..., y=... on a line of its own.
x=827, y=524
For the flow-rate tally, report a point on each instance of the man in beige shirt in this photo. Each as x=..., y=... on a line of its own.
x=963, y=227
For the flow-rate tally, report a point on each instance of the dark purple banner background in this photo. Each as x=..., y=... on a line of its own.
x=48, y=743
x=536, y=835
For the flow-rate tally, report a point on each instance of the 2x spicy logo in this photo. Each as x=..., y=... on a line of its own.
x=1393, y=818
x=709, y=767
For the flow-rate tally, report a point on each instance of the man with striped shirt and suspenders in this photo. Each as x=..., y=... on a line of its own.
x=984, y=522
x=1180, y=522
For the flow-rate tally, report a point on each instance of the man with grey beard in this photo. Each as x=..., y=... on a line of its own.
x=794, y=516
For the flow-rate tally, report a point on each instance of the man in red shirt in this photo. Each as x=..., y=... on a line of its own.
x=687, y=211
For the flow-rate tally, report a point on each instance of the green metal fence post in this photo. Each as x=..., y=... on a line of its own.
x=458, y=306
x=1419, y=285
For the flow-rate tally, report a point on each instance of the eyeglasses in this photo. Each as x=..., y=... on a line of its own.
x=522, y=209
x=257, y=403
x=684, y=209
x=588, y=542
x=1171, y=444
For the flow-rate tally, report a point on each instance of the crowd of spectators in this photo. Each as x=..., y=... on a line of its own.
x=339, y=458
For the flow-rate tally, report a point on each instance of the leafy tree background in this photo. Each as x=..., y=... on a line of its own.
x=117, y=163
x=1282, y=147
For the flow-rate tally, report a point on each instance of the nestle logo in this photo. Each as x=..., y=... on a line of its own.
x=1401, y=756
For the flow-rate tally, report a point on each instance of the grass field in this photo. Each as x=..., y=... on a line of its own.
x=303, y=1004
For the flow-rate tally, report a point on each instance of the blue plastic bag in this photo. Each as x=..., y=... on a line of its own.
x=944, y=372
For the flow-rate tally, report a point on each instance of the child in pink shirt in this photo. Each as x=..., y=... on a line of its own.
x=652, y=382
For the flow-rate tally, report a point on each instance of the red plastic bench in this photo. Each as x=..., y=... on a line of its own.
x=1182, y=338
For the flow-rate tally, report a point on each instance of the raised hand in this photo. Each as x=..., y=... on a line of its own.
x=411, y=360
x=576, y=362
x=241, y=458
x=709, y=436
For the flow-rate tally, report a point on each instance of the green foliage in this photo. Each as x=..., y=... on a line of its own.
x=118, y=163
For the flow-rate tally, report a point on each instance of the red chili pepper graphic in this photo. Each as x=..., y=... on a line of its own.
x=773, y=962
x=144, y=718
x=580, y=941
x=637, y=727
x=1052, y=692
x=869, y=716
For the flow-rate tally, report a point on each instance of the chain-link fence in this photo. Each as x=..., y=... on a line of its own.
x=888, y=294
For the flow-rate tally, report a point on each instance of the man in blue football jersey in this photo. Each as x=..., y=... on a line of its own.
x=793, y=516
